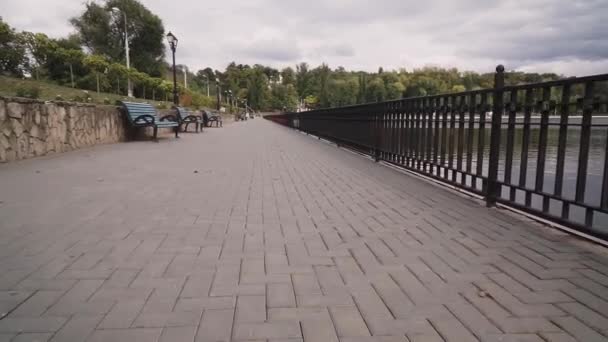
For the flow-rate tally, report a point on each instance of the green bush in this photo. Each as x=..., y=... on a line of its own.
x=29, y=91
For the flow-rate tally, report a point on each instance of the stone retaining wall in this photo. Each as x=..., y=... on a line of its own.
x=31, y=128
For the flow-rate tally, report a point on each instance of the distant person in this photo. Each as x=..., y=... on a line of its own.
x=205, y=119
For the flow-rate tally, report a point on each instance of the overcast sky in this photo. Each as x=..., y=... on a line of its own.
x=564, y=36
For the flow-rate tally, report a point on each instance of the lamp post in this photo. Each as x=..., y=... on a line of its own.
x=231, y=99
x=218, y=93
x=185, y=70
x=207, y=81
x=172, y=39
x=129, y=86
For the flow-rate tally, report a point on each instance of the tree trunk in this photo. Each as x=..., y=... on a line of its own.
x=153, y=94
x=71, y=75
x=97, y=74
x=118, y=91
x=144, y=92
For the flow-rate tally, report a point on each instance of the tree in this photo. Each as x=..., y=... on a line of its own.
x=257, y=85
x=323, y=73
x=284, y=97
x=376, y=91
x=288, y=76
x=13, y=60
x=98, y=64
x=38, y=47
x=394, y=90
x=117, y=72
x=71, y=57
x=303, y=80
x=103, y=32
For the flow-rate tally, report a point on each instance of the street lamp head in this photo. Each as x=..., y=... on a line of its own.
x=115, y=9
x=172, y=39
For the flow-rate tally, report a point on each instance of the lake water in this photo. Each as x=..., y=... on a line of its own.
x=595, y=168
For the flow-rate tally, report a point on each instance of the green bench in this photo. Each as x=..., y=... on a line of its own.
x=144, y=115
x=185, y=117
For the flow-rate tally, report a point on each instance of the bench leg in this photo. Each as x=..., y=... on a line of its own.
x=155, y=133
x=176, y=131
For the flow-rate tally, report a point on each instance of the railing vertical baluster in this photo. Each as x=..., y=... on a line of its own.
x=470, y=132
x=394, y=120
x=429, y=135
x=525, y=144
x=561, y=144
x=452, y=136
x=418, y=135
x=542, y=145
x=376, y=134
x=435, y=136
x=583, y=155
x=481, y=140
x=510, y=142
x=493, y=185
x=444, y=134
x=406, y=131
x=604, y=188
x=461, y=112
x=422, y=119
x=403, y=132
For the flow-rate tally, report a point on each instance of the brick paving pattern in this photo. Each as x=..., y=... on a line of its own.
x=276, y=237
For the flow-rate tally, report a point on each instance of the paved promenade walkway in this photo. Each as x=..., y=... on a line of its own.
x=255, y=232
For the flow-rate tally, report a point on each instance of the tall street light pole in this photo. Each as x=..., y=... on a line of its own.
x=218, y=93
x=129, y=85
x=185, y=70
x=172, y=39
x=207, y=81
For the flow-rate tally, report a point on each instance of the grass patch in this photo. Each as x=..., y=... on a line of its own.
x=10, y=86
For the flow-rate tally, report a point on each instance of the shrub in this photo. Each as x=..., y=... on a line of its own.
x=29, y=91
x=59, y=98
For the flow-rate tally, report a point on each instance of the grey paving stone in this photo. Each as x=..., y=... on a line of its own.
x=32, y=337
x=31, y=324
x=178, y=334
x=277, y=237
x=125, y=335
x=251, y=309
x=216, y=325
x=280, y=296
x=37, y=304
x=270, y=330
x=122, y=315
x=77, y=329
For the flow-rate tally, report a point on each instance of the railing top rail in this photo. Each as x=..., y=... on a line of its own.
x=556, y=83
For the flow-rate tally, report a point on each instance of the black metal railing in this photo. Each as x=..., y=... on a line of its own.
x=541, y=148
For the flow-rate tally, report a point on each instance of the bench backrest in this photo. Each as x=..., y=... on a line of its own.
x=136, y=109
x=182, y=113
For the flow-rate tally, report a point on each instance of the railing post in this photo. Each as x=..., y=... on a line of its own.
x=493, y=188
x=376, y=135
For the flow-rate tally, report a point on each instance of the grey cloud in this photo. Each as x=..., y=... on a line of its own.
x=270, y=50
x=470, y=34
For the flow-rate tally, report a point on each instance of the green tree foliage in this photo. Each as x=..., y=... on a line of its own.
x=288, y=76
x=13, y=61
x=98, y=64
x=257, y=85
x=103, y=32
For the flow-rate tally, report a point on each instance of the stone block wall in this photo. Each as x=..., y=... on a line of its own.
x=31, y=128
